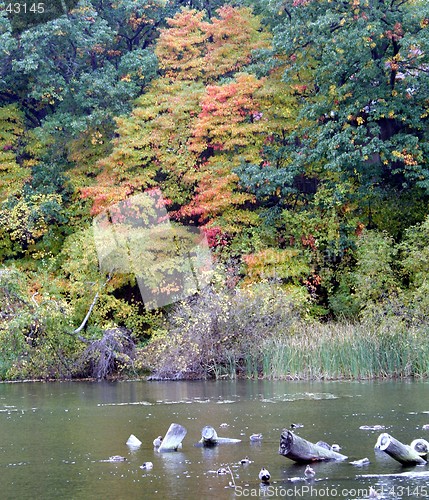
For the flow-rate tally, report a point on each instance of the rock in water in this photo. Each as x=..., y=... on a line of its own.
x=133, y=441
x=362, y=461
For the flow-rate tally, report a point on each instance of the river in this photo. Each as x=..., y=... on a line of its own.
x=55, y=436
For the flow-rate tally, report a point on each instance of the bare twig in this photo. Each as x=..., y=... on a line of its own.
x=232, y=483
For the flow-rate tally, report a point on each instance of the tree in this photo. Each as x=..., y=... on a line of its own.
x=366, y=102
x=176, y=128
x=13, y=175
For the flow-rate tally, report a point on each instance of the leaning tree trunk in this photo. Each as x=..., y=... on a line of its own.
x=302, y=451
x=403, y=453
x=173, y=439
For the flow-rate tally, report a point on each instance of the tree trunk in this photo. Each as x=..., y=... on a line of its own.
x=209, y=437
x=302, y=451
x=421, y=446
x=403, y=453
x=173, y=439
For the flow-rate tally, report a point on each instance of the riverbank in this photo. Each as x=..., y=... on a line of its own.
x=303, y=351
x=307, y=351
x=259, y=332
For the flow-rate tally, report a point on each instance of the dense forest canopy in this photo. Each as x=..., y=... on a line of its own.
x=293, y=135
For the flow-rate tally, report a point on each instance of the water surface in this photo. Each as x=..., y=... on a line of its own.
x=54, y=436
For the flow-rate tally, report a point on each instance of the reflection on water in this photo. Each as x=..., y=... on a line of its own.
x=54, y=438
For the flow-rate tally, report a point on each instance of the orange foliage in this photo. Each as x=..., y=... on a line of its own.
x=189, y=131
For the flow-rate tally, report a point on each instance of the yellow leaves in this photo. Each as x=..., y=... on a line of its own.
x=360, y=120
x=96, y=138
x=12, y=175
x=192, y=48
x=26, y=221
x=275, y=263
x=406, y=157
x=135, y=22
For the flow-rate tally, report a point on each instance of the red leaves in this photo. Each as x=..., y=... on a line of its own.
x=309, y=241
x=188, y=129
x=396, y=34
x=215, y=237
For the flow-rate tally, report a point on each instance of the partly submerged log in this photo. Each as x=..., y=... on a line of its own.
x=173, y=439
x=323, y=444
x=300, y=450
x=403, y=453
x=421, y=446
x=209, y=437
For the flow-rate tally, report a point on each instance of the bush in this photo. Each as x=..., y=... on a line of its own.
x=214, y=333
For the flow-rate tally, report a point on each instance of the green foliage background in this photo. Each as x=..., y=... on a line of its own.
x=294, y=134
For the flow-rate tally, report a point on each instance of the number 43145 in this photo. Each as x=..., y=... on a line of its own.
x=25, y=8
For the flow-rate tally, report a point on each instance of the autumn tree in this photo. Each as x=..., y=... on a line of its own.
x=188, y=114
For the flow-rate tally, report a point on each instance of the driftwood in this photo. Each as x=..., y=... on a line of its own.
x=209, y=437
x=403, y=453
x=173, y=439
x=88, y=314
x=300, y=450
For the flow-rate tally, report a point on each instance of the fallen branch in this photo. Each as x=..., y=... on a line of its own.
x=104, y=356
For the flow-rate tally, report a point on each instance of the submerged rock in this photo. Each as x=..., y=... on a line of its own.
x=115, y=458
x=362, y=461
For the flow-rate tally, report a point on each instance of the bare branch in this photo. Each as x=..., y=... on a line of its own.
x=88, y=314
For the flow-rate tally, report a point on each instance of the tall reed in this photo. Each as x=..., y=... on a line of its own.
x=350, y=351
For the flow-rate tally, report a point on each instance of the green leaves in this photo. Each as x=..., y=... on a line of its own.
x=365, y=100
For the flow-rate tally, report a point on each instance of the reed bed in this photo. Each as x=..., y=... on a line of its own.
x=261, y=333
x=346, y=351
